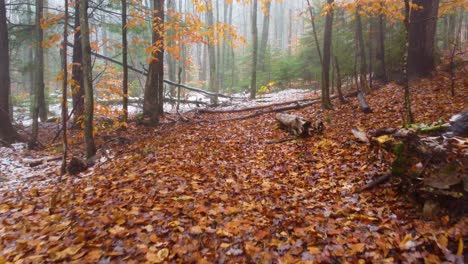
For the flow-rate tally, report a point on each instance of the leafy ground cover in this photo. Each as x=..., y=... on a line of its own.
x=209, y=191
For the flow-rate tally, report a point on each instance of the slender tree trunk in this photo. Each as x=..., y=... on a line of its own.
x=40, y=87
x=422, y=29
x=171, y=64
x=77, y=83
x=39, y=96
x=362, y=53
x=381, y=69
x=290, y=33
x=264, y=41
x=213, y=83
x=253, y=81
x=154, y=88
x=452, y=54
x=88, y=81
x=371, y=69
x=64, y=91
x=124, y=61
x=314, y=31
x=326, y=102
x=7, y=132
x=407, y=99
x=338, y=82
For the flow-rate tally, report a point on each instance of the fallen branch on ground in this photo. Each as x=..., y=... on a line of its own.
x=214, y=111
x=36, y=162
x=276, y=110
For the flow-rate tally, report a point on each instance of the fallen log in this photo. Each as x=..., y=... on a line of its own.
x=295, y=125
x=275, y=110
x=246, y=109
x=140, y=101
x=36, y=162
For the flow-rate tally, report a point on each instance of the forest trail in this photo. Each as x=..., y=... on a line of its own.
x=206, y=191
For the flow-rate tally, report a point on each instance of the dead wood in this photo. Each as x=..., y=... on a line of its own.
x=376, y=182
x=246, y=109
x=36, y=162
x=295, y=125
x=362, y=102
x=430, y=164
x=280, y=140
x=274, y=110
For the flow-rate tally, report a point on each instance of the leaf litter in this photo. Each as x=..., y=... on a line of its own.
x=206, y=192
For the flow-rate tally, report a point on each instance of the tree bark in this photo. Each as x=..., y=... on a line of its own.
x=88, y=81
x=63, y=168
x=77, y=83
x=408, y=113
x=213, y=82
x=338, y=82
x=39, y=97
x=326, y=102
x=40, y=87
x=362, y=53
x=154, y=88
x=422, y=30
x=314, y=31
x=7, y=132
x=264, y=41
x=380, y=71
x=124, y=61
x=253, y=80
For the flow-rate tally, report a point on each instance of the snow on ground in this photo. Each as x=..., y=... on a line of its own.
x=15, y=170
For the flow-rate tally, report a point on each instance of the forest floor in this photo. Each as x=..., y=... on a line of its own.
x=214, y=191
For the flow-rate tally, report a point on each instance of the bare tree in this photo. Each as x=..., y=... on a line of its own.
x=154, y=88
x=124, y=61
x=213, y=83
x=77, y=81
x=88, y=80
x=253, y=81
x=326, y=102
x=408, y=113
x=64, y=91
x=7, y=132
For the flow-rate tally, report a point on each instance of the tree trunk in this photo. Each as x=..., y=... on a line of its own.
x=40, y=87
x=264, y=41
x=171, y=64
x=213, y=83
x=314, y=31
x=88, y=81
x=39, y=97
x=124, y=61
x=326, y=102
x=154, y=88
x=380, y=69
x=422, y=29
x=77, y=83
x=63, y=168
x=253, y=81
x=338, y=82
x=7, y=132
x=362, y=53
x=408, y=113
